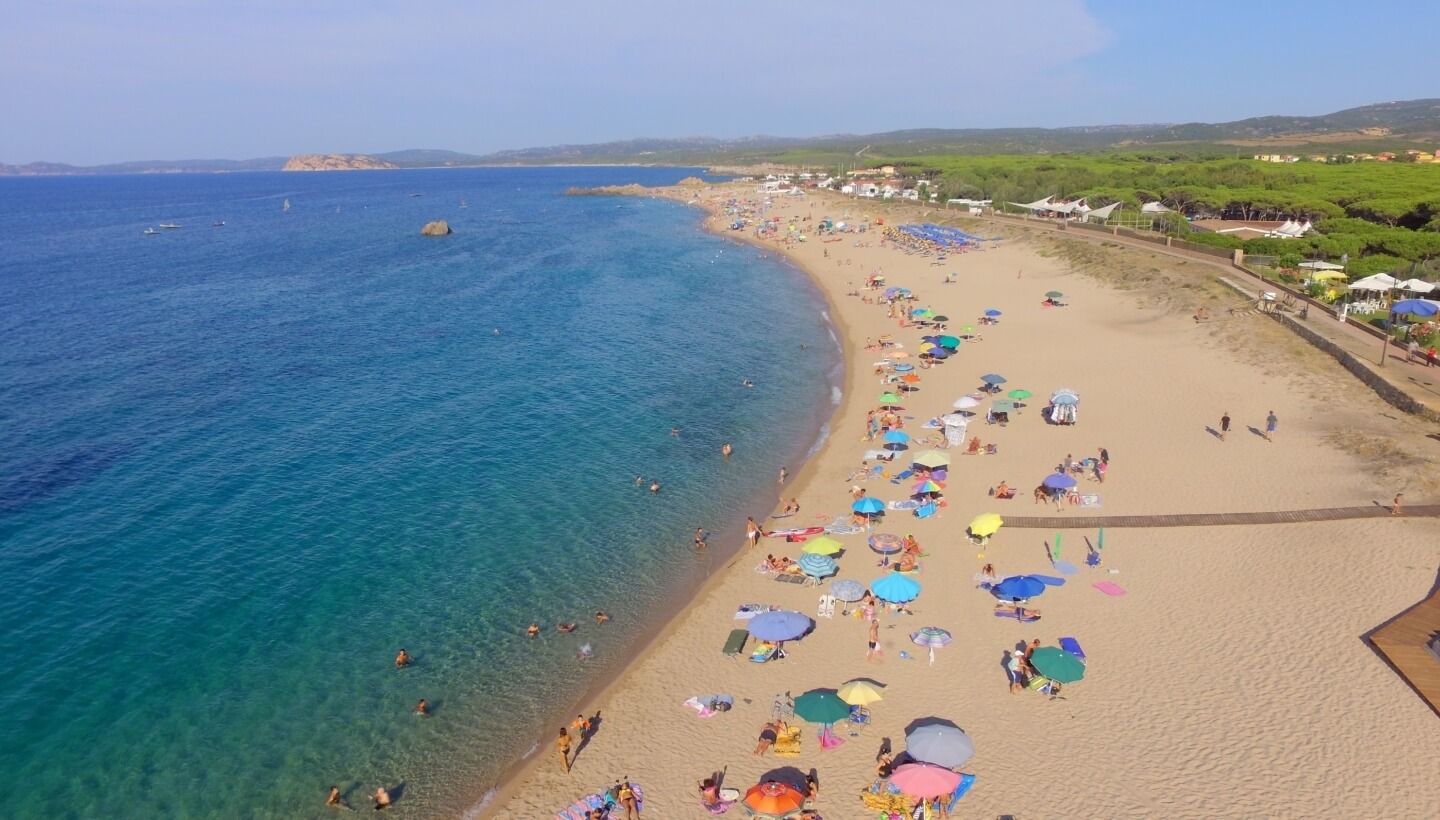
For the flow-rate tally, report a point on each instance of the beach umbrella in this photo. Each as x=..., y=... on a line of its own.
x=868, y=506
x=816, y=565
x=861, y=692
x=774, y=800
x=925, y=780
x=931, y=636
x=951, y=342
x=821, y=706
x=885, y=543
x=889, y=399
x=921, y=312
x=847, y=590
x=934, y=459
x=938, y=743
x=929, y=485
x=1002, y=406
x=940, y=318
x=966, y=402
x=779, y=625
x=1018, y=587
x=967, y=328
x=824, y=545
x=1059, y=481
x=1054, y=294
x=1100, y=541
x=900, y=354
x=910, y=378
x=1019, y=395
x=1415, y=307
x=896, y=588
x=1057, y=664
x=992, y=313
x=993, y=378
x=1064, y=396
x=937, y=352
x=986, y=524
x=955, y=420
x=904, y=368
x=897, y=435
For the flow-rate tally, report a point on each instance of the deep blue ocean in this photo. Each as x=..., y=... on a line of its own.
x=242, y=466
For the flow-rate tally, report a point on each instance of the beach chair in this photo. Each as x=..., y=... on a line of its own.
x=783, y=707
x=820, y=610
x=1073, y=647
x=735, y=644
x=859, y=718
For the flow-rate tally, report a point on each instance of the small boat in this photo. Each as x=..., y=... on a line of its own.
x=286, y=206
x=219, y=224
x=170, y=225
x=151, y=232
x=415, y=195
x=463, y=203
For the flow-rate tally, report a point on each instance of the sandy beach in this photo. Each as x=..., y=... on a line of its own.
x=1229, y=680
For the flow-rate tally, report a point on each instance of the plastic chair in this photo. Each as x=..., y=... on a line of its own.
x=783, y=707
x=859, y=717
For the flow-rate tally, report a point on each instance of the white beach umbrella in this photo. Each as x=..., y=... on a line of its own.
x=965, y=403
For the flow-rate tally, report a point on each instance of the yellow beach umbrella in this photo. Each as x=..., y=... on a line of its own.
x=899, y=354
x=986, y=525
x=1328, y=275
x=861, y=693
x=824, y=545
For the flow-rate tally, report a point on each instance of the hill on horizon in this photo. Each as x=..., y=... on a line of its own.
x=1392, y=125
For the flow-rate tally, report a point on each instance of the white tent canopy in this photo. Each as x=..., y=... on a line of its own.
x=1379, y=281
x=1102, y=213
x=1322, y=266
x=1154, y=208
x=1416, y=286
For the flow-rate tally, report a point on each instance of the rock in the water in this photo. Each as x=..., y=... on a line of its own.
x=437, y=228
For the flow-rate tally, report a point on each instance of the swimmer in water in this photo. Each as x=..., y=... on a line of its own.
x=749, y=383
x=570, y=627
x=422, y=708
x=382, y=799
x=601, y=618
x=402, y=660
x=655, y=487
x=639, y=480
x=533, y=630
x=586, y=652
x=334, y=798
x=726, y=450
x=497, y=331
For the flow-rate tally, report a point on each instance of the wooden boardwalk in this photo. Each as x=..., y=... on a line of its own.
x=1072, y=519
x=1404, y=640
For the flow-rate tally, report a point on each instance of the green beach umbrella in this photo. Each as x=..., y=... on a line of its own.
x=824, y=545
x=824, y=706
x=1054, y=663
x=889, y=398
x=1100, y=544
x=1054, y=294
x=1057, y=546
x=934, y=459
x=949, y=341
x=967, y=328
x=1018, y=395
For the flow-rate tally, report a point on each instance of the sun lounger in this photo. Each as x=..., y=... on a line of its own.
x=1073, y=647
x=791, y=579
x=735, y=644
x=748, y=611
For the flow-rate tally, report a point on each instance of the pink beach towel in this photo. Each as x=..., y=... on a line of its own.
x=1110, y=588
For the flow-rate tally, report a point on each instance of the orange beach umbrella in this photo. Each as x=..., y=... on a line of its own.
x=774, y=799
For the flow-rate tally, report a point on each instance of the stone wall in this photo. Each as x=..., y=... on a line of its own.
x=1392, y=395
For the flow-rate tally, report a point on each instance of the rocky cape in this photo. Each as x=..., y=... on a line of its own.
x=336, y=162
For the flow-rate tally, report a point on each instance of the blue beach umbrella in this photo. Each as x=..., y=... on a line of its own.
x=992, y=312
x=817, y=566
x=1059, y=481
x=1018, y=586
x=934, y=340
x=1416, y=307
x=897, y=436
x=847, y=590
x=937, y=353
x=904, y=368
x=896, y=588
x=993, y=378
x=868, y=506
x=779, y=625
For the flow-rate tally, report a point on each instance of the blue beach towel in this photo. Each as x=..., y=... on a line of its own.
x=1066, y=568
x=966, y=781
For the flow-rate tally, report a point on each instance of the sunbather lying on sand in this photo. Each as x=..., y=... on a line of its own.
x=1016, y=610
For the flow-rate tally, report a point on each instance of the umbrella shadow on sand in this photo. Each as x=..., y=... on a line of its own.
x=789, y=775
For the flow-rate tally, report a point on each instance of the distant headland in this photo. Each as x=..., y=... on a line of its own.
x=336, y=162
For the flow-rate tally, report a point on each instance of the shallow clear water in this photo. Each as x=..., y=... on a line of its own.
x=241, y=466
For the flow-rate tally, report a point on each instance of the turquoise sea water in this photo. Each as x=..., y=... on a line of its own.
x=241, y=466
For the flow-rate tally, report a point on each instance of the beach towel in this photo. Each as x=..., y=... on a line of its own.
x=748, y=611
x=828, y=739
x=1073, y=647
x=706, y=705
x=1066, y=568
x=1089, y=501
x=842, y=526
x=966, y=781
x=907, y=504
x=1110, y=588
x=580, y=808
x=902, y=476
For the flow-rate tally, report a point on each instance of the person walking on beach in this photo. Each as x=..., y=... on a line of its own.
x=700, y=538
x=752, y=532
x=563, y=743
x=1270, y=422
x=872, y=650
x=1399, y=502
x=1224, y=424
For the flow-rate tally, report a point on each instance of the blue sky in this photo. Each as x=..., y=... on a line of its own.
x=93, y=82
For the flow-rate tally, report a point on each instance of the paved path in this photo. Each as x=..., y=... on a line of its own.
x=1070, y=519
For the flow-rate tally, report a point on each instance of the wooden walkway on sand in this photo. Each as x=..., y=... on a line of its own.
x=1404, y=642
x=1068, y=521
